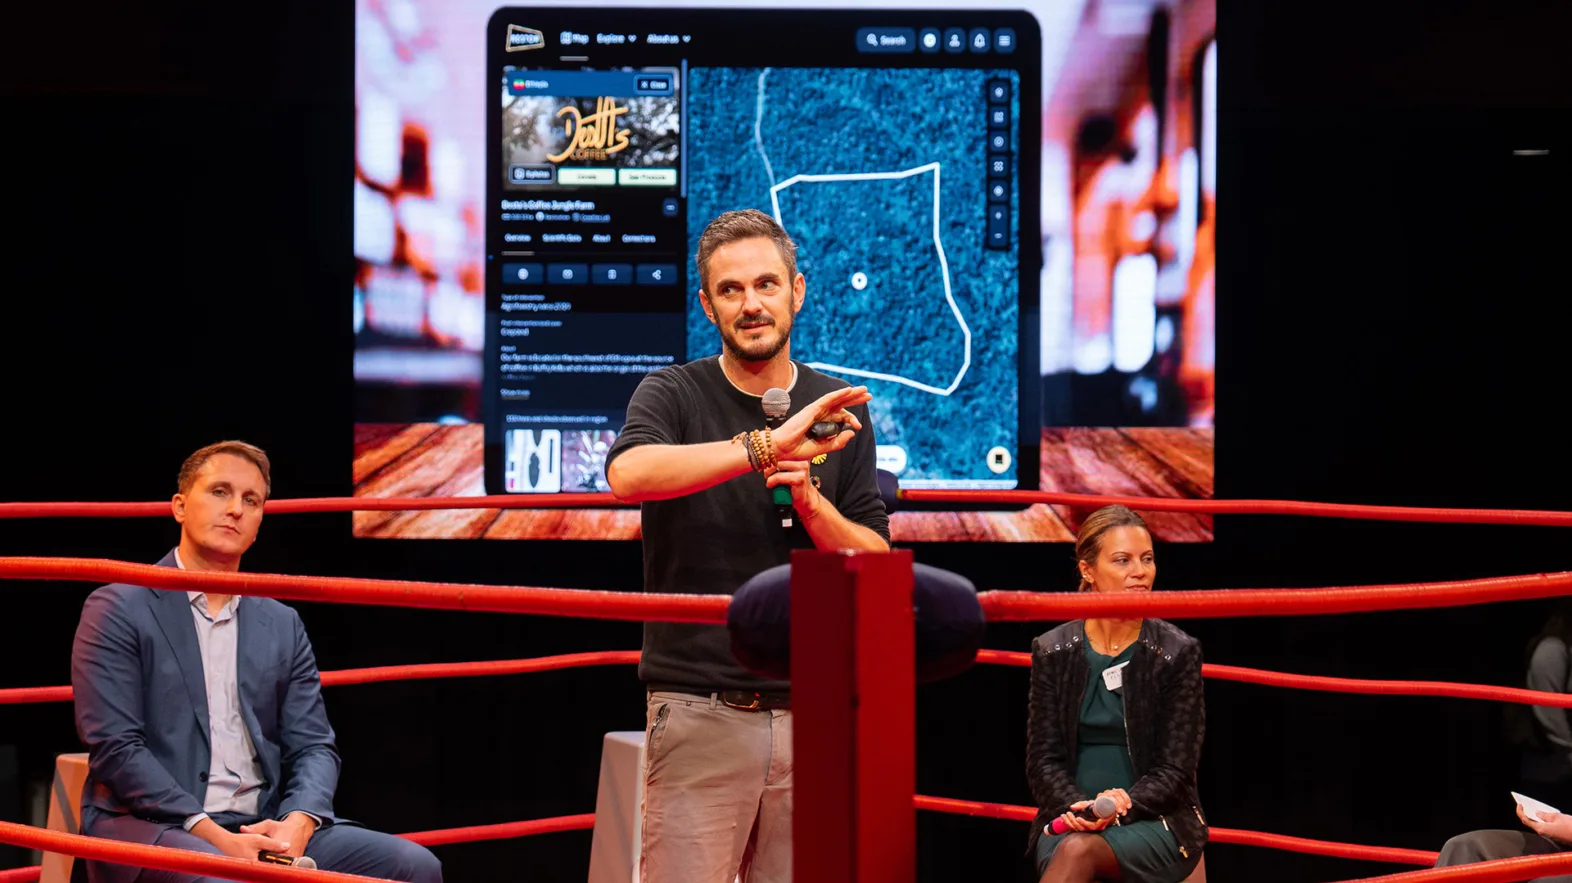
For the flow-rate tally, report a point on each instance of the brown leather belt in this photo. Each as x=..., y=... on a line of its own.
x=742, y=700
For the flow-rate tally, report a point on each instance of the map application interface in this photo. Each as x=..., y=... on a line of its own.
x=889, y=145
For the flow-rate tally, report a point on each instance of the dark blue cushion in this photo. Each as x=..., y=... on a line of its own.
x=889, y=490
x=949, y=623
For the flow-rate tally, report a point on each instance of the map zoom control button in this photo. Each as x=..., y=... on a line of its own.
x=998, y=227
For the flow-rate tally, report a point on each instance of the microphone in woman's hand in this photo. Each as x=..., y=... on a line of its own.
x=1101, y=808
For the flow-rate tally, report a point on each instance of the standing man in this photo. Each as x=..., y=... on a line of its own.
x=202, y=713
x=717, y=780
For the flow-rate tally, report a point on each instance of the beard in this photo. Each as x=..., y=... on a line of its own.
x=757, y=351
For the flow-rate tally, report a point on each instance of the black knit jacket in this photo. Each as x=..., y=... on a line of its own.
x=1165, y=719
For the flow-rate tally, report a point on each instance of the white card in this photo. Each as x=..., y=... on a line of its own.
x=1532, y=808
x=1113, y=676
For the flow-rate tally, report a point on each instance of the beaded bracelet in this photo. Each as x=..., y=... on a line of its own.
x=769, y=449
x=760, y=448
x=762, y=445
x=746, y=440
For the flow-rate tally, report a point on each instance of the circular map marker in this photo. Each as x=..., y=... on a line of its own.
x=859, y=281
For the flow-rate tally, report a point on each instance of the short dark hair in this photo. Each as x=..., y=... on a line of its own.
x=735, y=226
x=1089, y=539
x=195, y=462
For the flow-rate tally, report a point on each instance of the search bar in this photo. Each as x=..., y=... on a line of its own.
x=886, y=40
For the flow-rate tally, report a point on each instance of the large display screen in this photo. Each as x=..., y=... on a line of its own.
x=1003, y=224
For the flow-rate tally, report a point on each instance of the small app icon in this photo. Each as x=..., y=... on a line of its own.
x=533, y=462
x=520, y=39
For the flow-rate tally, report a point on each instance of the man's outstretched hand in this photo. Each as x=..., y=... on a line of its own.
x=792, y=441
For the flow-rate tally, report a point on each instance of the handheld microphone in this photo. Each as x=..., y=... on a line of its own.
x=776, y=403
x=306, y=862
x=1102, y=808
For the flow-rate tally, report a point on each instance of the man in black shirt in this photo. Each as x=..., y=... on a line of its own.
x=717, y=779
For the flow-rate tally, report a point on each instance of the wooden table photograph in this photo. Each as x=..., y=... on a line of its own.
x=429, y=459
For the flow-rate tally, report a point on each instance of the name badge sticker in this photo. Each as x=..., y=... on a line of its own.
x=1113, y=677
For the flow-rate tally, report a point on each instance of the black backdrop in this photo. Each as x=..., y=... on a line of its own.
x=1392, y=323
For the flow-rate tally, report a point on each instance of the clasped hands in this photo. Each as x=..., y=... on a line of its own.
x=286, y=837
x=1074, y=822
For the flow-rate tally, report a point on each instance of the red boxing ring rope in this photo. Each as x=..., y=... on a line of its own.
x=479, y=669
x=1326, y=684
x=998, y=606
x=503, y=831
x=1220, y=603
x=393, y=593
x=1217, y=835
x=1253, y=507
x=1088, y=501
x=319, y=505
x=442, y=837
x=938, y=804
x=26, y=695
x=167, y=858
x=1506, y=870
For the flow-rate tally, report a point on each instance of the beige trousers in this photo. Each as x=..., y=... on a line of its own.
x=717, y=793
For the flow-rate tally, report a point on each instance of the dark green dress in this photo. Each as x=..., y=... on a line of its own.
x=1147, y=851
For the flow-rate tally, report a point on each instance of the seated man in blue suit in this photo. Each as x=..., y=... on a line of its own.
x=203, y=713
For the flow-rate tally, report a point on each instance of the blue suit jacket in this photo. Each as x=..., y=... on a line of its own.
x=141, y=709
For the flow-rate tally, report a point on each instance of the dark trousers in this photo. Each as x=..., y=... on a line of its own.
x=347, y=848
x=1484, y=846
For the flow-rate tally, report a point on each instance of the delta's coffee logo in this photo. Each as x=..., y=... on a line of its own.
x=593, y=137
x=521, y=38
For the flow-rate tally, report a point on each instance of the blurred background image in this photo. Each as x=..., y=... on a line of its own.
x=1129, y=209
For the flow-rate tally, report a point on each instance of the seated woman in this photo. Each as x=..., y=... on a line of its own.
x=1117, y=709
